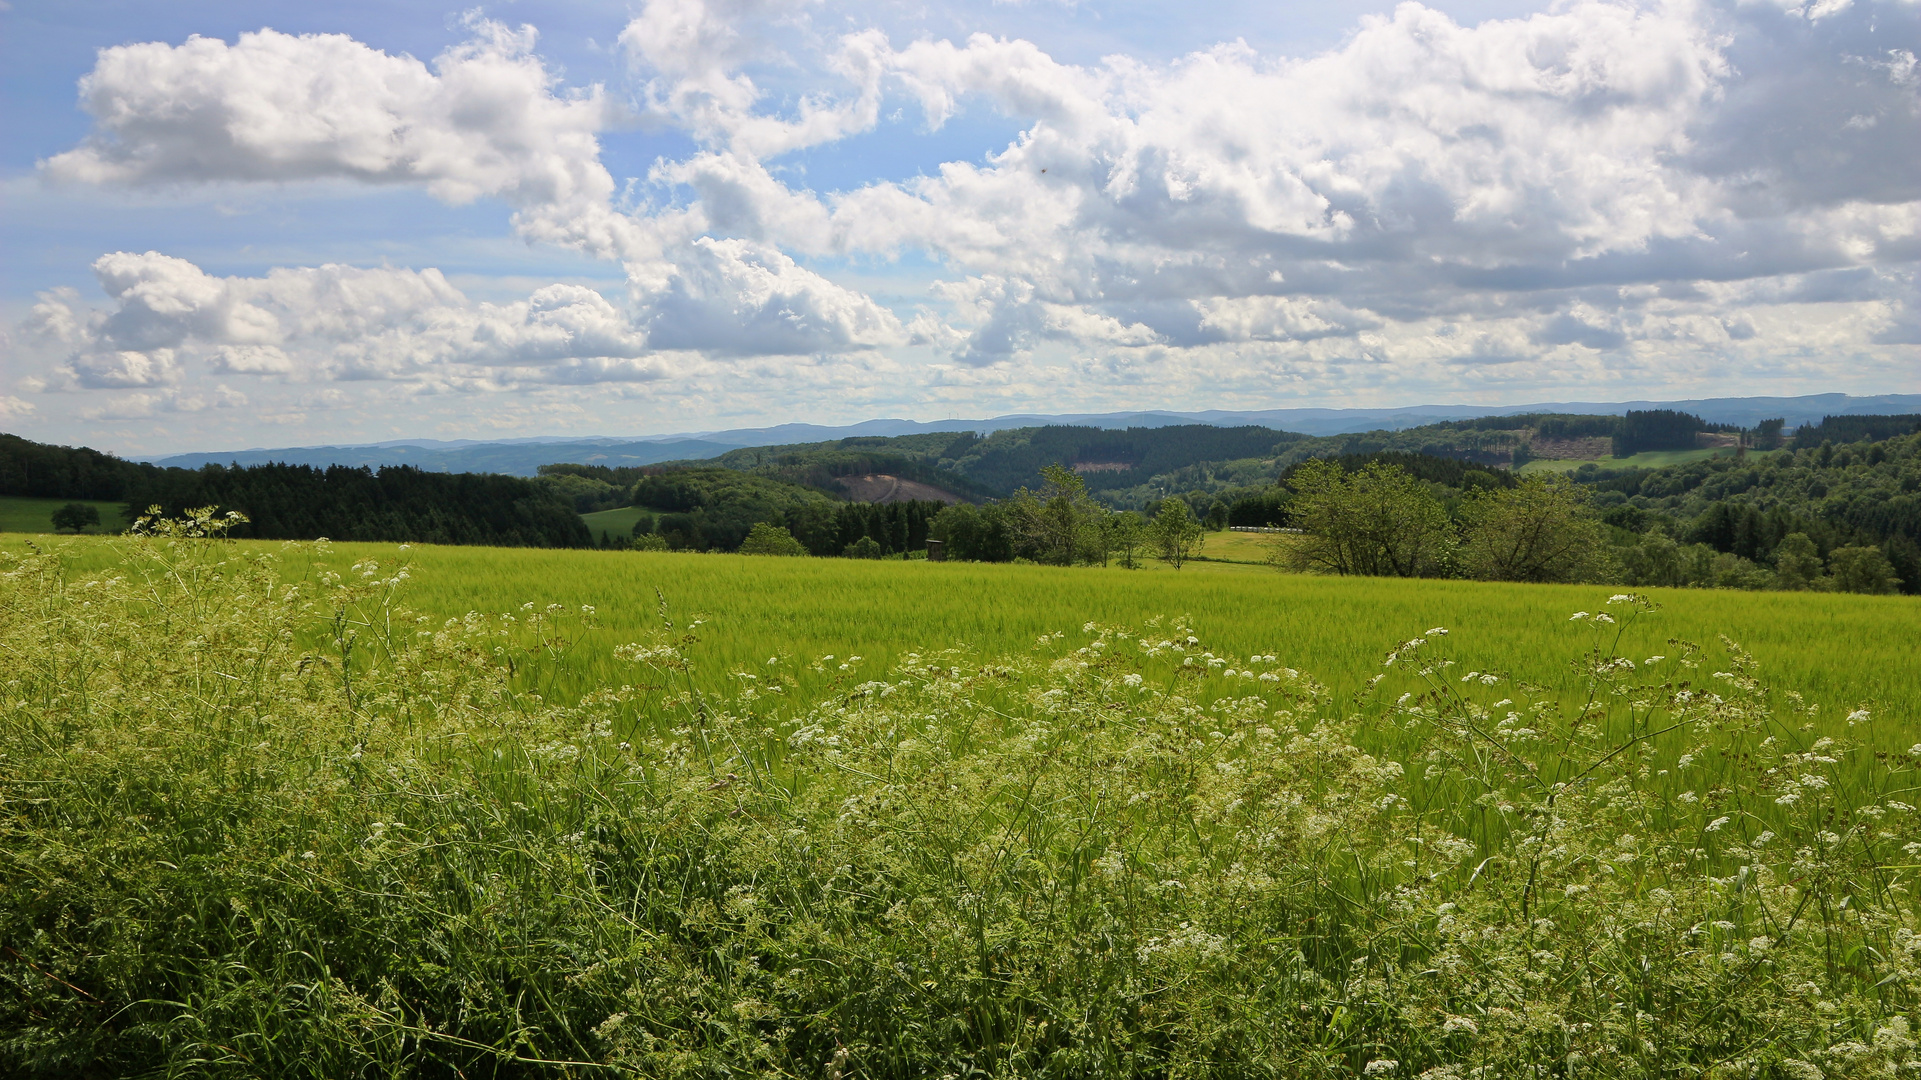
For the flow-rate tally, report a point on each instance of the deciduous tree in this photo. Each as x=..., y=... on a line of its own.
x=75, y=516
x=1061, y=524
x=1379, y=520
x=1540, y=530
x=1176, y=536
x=769, y=539
x=1862, y=569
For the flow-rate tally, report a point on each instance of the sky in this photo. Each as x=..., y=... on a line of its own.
x=229, y=224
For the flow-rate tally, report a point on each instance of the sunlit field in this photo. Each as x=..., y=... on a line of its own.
x=292, y=810
x=1839, y=648
x=23, y=515
x=1647, y=459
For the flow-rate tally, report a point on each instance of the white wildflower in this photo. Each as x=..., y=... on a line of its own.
x=1380, y=1067
x=1717, y=823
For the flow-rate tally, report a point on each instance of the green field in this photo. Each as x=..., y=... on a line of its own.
x=1837, y=648
x=1651, y=459
x=894, y=818
x=23, y=515
x=616, y=523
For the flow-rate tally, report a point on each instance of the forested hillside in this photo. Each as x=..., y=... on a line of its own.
x=1853, y=496
x=1820, y=512
x=1137, y=467
x=300, y=502
x=40, y=471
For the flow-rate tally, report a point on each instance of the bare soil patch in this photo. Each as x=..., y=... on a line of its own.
x=881, y=488
x=1582, y=449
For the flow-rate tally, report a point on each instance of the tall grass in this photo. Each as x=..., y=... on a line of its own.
x=1839, y=649
x=262, y=820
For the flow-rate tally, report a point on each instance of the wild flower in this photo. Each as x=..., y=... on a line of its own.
x=692, y=876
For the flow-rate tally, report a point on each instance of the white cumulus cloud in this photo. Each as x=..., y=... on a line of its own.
x=1603, y=193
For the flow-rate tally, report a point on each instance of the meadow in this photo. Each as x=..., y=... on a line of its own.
x=618, y=522
x=1647, y=459
x=1847, y=650
x=19, y=514
x=333, y=810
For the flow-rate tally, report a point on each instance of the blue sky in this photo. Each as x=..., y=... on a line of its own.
x=230, y=224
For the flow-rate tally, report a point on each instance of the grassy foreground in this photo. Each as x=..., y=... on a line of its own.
x=260, y=820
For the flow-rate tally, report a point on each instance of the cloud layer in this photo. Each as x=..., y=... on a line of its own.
x=1634, y=195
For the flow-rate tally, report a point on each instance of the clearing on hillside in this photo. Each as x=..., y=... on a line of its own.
x=881, y=488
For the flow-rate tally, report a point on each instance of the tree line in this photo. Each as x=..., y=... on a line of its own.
x=1723, y=522
x=397, y=503
x=301, y=502
x=1382, y=520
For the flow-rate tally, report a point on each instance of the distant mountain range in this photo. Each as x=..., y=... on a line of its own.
x=522, y=457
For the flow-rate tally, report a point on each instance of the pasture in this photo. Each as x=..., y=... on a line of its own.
x=616, y=523
x=19, y=514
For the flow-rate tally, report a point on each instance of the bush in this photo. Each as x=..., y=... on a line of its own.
x=864, y=548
